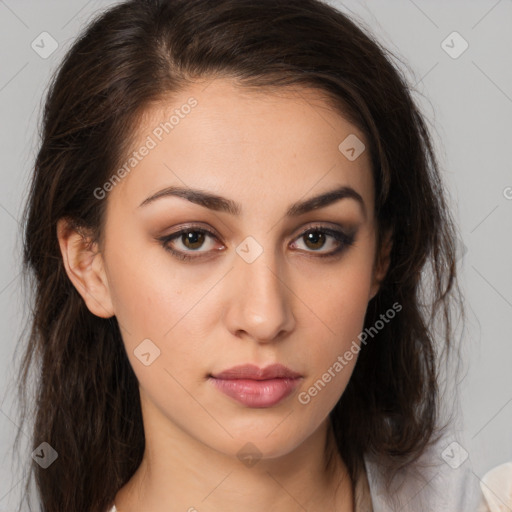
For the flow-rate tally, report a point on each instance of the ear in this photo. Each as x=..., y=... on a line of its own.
x=84, y=267
x=381, y=263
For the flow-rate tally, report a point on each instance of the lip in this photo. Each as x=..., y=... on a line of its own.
x=257, y=387
x=253, y=372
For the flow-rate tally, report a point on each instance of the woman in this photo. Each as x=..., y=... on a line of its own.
x=232, y=215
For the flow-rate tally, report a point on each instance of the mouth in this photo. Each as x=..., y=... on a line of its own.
x=255, y=387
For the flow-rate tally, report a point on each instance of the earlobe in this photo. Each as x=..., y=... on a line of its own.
x=381, y=265
x=85, y=268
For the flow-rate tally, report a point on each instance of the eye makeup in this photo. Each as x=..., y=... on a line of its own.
x=313, y=234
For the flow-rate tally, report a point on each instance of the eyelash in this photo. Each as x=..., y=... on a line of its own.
x=342, y=238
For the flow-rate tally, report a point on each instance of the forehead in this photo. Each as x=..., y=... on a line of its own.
x=235, y=141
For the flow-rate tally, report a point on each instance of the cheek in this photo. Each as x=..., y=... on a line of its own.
x=152, y=298
x=338, y=308
x=342, y=318
x=333, y=356
x=157, y=299
x=339, y=298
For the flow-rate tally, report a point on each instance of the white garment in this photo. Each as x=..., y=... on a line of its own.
x=496, y=486
x=435, y=485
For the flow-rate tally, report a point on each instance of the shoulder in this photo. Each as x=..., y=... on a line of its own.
x=442, y=480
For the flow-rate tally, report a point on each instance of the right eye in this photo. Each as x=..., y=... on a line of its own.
x=189, y=240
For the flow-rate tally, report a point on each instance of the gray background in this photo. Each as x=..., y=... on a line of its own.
x=468, y=101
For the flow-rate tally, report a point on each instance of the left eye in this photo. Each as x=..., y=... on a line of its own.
x=315, y=238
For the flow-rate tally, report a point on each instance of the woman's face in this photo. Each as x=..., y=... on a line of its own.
x=257, y=290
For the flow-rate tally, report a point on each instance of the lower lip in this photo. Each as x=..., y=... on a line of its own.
x=256, y=393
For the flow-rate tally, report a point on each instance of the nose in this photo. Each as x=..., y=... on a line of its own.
x=260, y=300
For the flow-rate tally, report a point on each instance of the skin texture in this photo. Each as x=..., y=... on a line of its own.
x=264, y=151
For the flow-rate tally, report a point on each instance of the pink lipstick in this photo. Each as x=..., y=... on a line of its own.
x=257, y=387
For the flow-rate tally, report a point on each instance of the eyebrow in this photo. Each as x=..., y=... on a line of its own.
x=222, y=204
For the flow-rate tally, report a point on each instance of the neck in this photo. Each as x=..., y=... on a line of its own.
x=179, y=473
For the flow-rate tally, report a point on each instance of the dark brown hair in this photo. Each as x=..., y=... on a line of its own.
x=139, y=53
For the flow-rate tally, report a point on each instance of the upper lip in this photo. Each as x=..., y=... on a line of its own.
x=251, y=371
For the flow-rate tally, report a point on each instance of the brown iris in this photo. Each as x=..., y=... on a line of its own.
x=315, y=237
x=193, y=237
